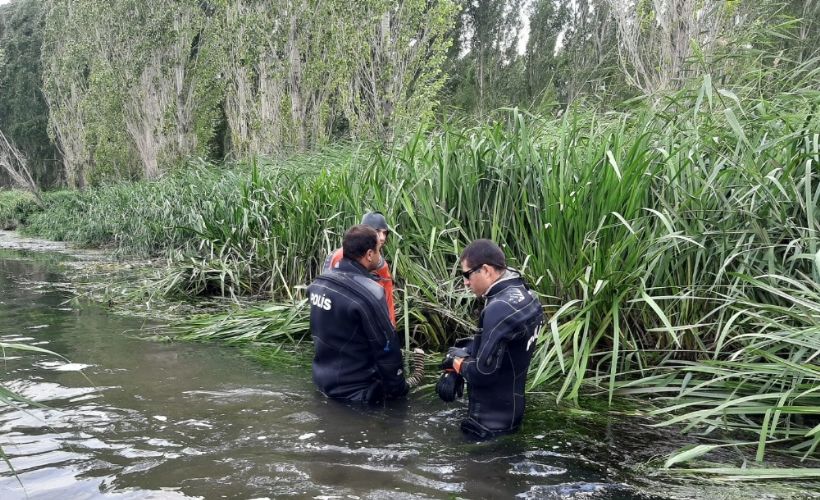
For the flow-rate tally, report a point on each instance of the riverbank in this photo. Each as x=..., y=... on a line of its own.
x=104, y=277
x=12, y=240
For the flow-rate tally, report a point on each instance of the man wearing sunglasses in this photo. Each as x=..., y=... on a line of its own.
x=382, y=273
x=357, y=352
x=494, y=362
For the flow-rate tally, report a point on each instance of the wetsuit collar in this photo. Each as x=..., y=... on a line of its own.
x=509, y=278
x=351, y=266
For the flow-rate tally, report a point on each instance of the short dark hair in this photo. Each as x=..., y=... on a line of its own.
x=482, y=252
x=358, y=240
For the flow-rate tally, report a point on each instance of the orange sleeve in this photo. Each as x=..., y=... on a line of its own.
x=386, y=281
x=335, y=258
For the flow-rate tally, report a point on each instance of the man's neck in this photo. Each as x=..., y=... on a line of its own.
x=500, y=276
x=364, y=263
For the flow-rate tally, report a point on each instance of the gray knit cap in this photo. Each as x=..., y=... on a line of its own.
x=375, y=220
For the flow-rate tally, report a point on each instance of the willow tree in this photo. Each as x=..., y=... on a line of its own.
x=255, y=77
x=657, y=38
x=279, y=66
x=490, y=33
x=14, y=164
x=127, y=86
x=156, y=54
x=396, y=57
x=66, y=61
x=159, y=106
x=319, y=67
x=301, y=70
x=547, y=22
x=23, y=112
x=134, y=87
x=590, y=53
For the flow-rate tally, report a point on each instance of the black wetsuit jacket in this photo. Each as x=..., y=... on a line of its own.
x=357, y=352
x=496, y=371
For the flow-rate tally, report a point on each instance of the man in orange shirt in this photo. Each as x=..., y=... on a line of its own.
x=381, y=274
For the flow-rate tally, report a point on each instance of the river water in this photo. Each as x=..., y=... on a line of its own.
x=128, y=417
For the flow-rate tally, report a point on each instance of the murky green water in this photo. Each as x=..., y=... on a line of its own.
x=133, y=418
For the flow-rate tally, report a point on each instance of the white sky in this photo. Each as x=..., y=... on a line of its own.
x=4, y=1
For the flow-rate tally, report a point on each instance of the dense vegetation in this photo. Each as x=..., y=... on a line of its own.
x=23, y=110
x=676, y=246
x=658, y=186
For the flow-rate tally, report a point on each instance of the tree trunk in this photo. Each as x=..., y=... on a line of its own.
x=14, y=163
x=297, y=101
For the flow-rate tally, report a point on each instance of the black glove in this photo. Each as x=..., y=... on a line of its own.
x=450, y=385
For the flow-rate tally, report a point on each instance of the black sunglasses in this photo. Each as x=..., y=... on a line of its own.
x=466, y=274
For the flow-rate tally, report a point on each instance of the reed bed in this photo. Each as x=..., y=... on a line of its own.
x=269, y=324
x=675, y=248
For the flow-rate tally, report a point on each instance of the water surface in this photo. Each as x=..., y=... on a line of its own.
x=129, y=417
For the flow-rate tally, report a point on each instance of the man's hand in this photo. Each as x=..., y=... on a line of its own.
x=452, y=361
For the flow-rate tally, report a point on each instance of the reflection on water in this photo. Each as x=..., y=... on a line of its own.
x=123, y=417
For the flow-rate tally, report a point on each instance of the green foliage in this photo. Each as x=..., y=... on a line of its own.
x=398, y=59
x=274, y=323
x=570, y=54
x=572, y=50
x=546, y=22
x=23, y=111
x=209, y=92
x=141, y=218
x=15, y=208
x=131, y=86
x=246, y=243
x=134, y=88
x=483, y=68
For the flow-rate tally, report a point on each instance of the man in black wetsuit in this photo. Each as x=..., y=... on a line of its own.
x=494, y=362
x=357, y=352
